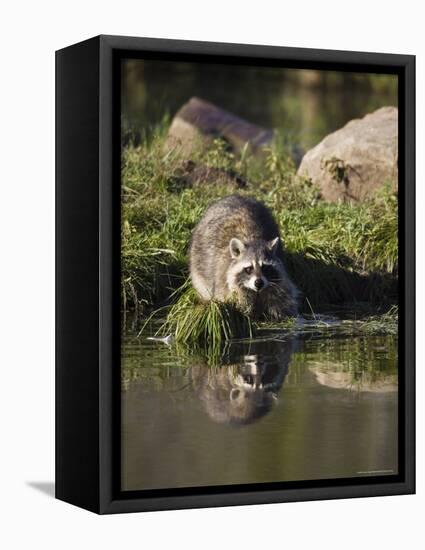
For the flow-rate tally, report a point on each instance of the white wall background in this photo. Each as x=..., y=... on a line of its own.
x=30, y=31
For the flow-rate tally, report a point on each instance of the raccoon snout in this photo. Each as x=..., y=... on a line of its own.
x=258, y=283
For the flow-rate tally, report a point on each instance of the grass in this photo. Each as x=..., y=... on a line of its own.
x=378, y=324
x=344, y=324
x=205, y=327
x=335, y=253
x=192, y=322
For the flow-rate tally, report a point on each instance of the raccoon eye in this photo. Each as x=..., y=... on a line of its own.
x=270, y=272
x=249, y=270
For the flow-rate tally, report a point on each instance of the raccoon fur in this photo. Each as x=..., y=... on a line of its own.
x=236, y=253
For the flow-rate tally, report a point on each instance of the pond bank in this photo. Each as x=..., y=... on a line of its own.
x=335, y=253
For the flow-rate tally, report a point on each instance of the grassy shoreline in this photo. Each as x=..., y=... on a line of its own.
x=335, y=253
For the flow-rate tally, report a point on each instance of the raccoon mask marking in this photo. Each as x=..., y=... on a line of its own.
x=254, y=265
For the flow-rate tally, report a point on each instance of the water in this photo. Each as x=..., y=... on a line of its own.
x=276, y=410
x=305, y=105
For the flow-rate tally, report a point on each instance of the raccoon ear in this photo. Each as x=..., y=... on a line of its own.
x=236, y=247
x=272, y=245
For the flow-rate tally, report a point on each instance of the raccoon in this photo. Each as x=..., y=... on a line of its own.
x=236, y=253
x=243, y=389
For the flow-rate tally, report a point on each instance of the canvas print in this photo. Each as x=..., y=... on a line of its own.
x=259, y=274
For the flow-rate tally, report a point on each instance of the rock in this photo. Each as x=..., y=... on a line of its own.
x=198, y=175
x=353, y=162
x=328, y=375
x=198, y=122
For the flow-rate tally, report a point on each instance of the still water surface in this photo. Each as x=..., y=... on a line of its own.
x=275, y=410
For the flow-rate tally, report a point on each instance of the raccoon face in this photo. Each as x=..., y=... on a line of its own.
x=255, y=373
x=255, y=265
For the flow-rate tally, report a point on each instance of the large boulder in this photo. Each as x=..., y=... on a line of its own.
x=199, y=122
x=353, y=162
x=191, y=174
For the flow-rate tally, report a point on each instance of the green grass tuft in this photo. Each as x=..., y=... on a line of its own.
x=192, y=322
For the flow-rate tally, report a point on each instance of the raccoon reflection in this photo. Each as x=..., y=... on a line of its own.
x=236, y=252
x=242, y=392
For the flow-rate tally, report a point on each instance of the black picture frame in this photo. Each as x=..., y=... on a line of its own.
x=88, y=274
